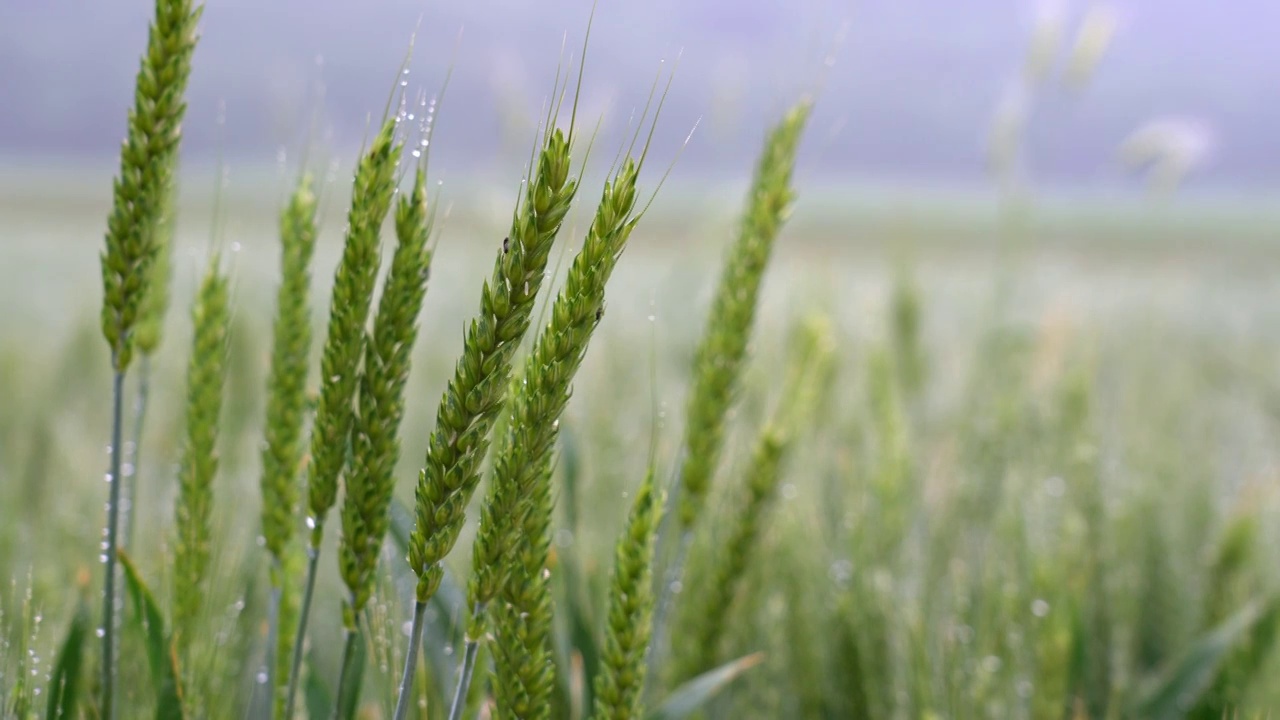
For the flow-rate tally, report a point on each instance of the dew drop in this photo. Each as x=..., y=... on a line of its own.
x=311, y=523
x=261, y=677
x=100, y=632
x=1039, y=607
x=676, y=586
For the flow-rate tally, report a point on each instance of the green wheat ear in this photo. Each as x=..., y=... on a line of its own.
x=146, y=168
x=353, y=283
x=621, y=677
x=514, y=560
x=155, y=294
x=718, y=361
x=476, y=392
x=375, y=441
x=373, y=187
x=283, y=450
x=478, y=389
x=206, y=375
x=540, y=399
x=287, y=384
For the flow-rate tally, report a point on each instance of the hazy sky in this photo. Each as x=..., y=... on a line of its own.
x=910, y=97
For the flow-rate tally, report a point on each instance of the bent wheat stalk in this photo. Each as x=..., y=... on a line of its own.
x=475, y=394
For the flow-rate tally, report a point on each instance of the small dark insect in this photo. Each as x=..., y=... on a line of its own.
x=506, y=244
x=599, y=314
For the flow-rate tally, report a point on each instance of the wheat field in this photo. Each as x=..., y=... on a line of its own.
x=780, y=449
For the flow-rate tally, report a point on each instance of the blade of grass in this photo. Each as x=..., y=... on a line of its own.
x=162, y=657
x=64, y=682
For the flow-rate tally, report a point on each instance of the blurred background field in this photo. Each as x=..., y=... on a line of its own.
x=1050, y=520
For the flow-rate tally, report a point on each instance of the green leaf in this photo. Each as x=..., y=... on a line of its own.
x=692, y=695
x=1195, y=672
x=160, y=654
x=64, y=683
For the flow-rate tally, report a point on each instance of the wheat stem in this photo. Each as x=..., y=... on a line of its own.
x=348, y=652
x=405, y=692
x=113, y=521
x=372, y=190
x=154, y=129
x=478, y=389
x=299, y=638
x=459, y=704
x=130, y=470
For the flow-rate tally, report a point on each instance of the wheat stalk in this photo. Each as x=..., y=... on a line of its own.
x=154, y=131
x=475, y=394
x=372, y=191
x=375, y=441
x=512, y=549
x=718, y=361
x=282, y=452
x=206, y=375
x=708, y=615
x=723, y=347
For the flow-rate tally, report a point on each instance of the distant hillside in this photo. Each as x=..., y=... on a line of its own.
x=910, y=96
